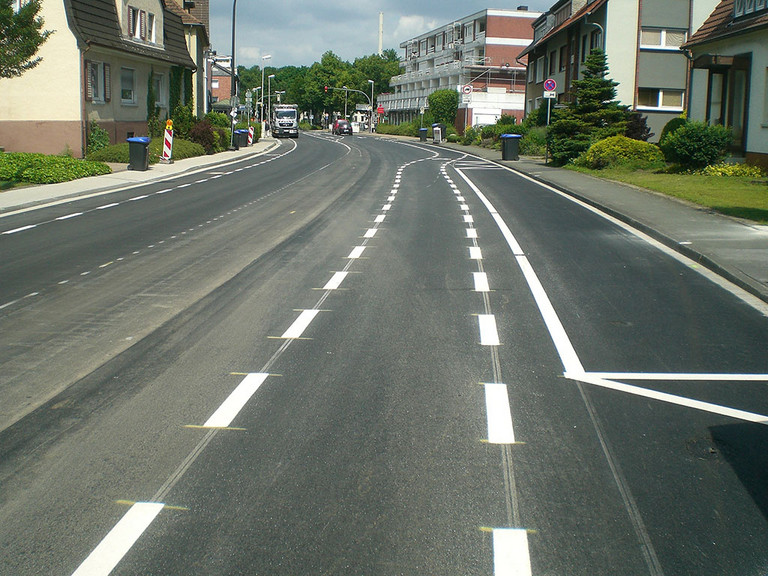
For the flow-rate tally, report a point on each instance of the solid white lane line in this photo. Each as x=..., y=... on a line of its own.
x=300, y=324
x=489, y=336
x=475, y=253
x=371, y=232
x=237, y=399
x=120, y=539
x=672, y=377
x=500, y=429
x=357, y=251
x=335, y=281
x=68, y=216
x=510, y=552
x=671, y=398
x=20, y=229
x=481, y=282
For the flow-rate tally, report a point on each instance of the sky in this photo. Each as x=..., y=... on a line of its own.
x=299, y=32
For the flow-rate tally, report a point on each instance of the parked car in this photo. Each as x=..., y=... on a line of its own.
x=342, y=127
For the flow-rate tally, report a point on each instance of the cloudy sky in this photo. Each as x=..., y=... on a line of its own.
x=298, y=32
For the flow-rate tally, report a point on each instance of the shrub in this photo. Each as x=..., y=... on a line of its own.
x=637, y=127
x=470, y=136
x=739, y=170
x=697, y=144
x=671, y=126
x=120, y=153
x=183, y=121
x=42, y=169
x=218, y=119
x=453, y=138
x=621, y=151
x=98, y=138
x=534, y=141
x=567, y=138
x=202, y=133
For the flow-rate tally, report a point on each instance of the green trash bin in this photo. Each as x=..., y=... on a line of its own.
x=510, y=146
x=138, y=153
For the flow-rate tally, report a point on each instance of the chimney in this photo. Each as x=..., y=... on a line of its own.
x=523, y=8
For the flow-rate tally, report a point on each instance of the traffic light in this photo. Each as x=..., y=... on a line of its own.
x=326, y=88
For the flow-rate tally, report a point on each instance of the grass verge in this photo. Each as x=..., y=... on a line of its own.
x=734, y=196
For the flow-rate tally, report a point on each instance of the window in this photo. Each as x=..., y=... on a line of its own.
x=469, y=33
x=584, y=48
x=159, y=92
x=127, y=86
x=595, y=40
x=552, y=62
x=150, y=36
x=665, y=99
x=215, y=83
x=540, y=69
x=97, y=82
x=563, y=58
x=662, y=38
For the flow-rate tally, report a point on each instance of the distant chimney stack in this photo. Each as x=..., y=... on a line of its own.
x=523, y=8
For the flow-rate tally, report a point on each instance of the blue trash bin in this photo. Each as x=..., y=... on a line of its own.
x=138, y=153
x=510, y=146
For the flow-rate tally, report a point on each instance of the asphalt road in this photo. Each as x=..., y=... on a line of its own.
x=362, y=356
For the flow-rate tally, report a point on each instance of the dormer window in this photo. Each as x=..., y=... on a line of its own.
x=748, y=7
x=141, y=25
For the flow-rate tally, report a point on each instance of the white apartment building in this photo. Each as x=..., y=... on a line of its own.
x=477, y=55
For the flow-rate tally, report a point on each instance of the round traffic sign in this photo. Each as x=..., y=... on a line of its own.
x=549, y=84
x=467, y=89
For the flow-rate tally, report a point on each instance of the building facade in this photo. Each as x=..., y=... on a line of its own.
x=477, y=55
x=101, y=64
x=641, y=40
x=729, y=75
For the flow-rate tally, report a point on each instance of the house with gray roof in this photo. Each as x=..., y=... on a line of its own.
x=729, y=75
x=103, y=63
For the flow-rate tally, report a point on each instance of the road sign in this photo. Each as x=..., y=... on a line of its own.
x=380, y=110
x=233, y=113
x=552, y=94
x=550, y=85
x=466, y=89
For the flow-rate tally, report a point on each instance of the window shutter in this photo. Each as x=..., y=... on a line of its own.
x=131, y=22
x=107, y=83
x=88, y=83
x=143, y=25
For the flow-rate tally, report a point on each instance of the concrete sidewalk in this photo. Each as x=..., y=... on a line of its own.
x=26, y=197
x=735, y=249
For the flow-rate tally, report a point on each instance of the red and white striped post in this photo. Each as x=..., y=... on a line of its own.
x=168, y=142
x=250, y=135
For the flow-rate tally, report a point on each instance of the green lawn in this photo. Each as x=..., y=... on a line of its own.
x=740, y=197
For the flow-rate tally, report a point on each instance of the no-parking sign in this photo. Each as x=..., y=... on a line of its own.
x=550, y=85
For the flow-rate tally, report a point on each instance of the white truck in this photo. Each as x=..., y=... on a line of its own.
x=285, y=121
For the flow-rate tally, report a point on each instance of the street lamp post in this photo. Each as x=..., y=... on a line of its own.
x=233, y=87
x=269, y=101
x=261, y=109
x=346, y=94
x=370, y=122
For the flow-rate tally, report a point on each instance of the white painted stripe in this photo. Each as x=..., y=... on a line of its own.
x=371, y=232
x=500, y=429
x=489, y=336
x=670, y=398
x=510, y=552
x=475, y=253
x=300, y=324
x=68, y=216
x=108, y=206
x=380, y=218
x=335, y=281
x=357, y=251
x=481, y=282
x=185, y=185
x=672, y=377
x=20, y=229
x=460, y=198
x=499, y=41
x=120, y=539
x=237, y=399
x=471, y=232
x=391, y=198
x=169, y=189
x=468, y=218
x=386, y=207
x=138, y=198
x=463, y=207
